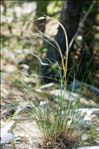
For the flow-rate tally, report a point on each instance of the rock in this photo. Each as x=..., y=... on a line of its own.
x=25, y=9
x=2, y=8
x=28, y=8
x=8, y=54
x=89, y=117
x=28, y=130
x=22, y=51
x=25, y=68
x=6, y=19
x=87, y=112
x=47, y=86
x=7, y=127
x=88, y=147
x=76, y=86
x=6, y=135
x=8, y=68
x=86, y=124
x=35, y=145
x=6, y=138
x=96, y=113
x=70, y=96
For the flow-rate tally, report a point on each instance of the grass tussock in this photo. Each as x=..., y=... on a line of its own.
x=60, y=127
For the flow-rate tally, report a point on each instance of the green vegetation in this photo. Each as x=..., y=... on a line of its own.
x=61, y=126
x=59, y=120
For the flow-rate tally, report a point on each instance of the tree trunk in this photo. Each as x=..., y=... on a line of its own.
x=87, y=50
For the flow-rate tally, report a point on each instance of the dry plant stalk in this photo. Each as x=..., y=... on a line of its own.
x=64, y=61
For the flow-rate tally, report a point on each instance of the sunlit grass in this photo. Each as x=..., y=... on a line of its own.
x=61, y=125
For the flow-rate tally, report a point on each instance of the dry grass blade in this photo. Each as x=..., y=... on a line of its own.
x=64, y=61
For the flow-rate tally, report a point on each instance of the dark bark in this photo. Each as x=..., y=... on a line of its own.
x=87, y=50
x=41, y=11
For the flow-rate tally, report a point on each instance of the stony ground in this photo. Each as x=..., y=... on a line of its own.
x=19, y=87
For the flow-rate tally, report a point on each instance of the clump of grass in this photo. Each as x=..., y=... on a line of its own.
x=60, y=127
